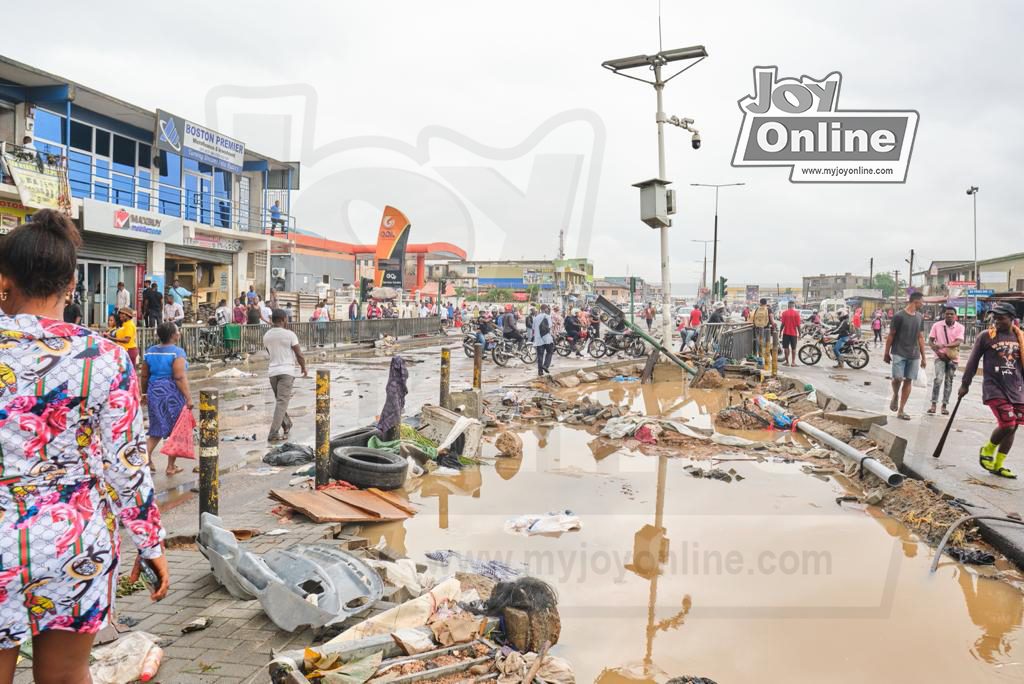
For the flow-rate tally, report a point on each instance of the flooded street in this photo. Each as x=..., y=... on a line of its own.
x=766, y=577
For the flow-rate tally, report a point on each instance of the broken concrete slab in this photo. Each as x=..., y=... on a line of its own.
x=568, y=381
x=829, y=402
x=857, y=419
x=585, y=376
x=437, y=422
x=891, y=444
x=467, y=402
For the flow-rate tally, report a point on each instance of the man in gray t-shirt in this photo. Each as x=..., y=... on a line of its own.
x=904, y=349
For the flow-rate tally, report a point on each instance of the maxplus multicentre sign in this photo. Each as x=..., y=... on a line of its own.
x=797, y=123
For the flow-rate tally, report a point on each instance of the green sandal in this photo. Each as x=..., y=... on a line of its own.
x=985, y=459
x=1002, y=471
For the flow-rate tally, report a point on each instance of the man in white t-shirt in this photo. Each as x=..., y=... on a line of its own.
x=173, y=311
x=285, y=358
x=267, y=314
x=223, y=313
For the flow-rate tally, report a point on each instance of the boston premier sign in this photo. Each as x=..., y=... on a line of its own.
x=192, y=141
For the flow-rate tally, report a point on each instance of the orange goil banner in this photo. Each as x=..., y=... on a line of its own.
x=391, y=240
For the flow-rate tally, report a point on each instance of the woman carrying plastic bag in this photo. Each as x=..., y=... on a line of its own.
x=165, y=389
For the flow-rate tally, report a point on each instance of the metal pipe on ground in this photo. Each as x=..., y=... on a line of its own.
x=868, y=463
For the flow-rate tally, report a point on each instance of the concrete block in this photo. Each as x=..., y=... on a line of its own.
x=568, y=381
x=584, y=376
x=829, y=402
x=437, y=422
x=467, y=402
x=857, y=419
x=528, y=631
x=891, y=444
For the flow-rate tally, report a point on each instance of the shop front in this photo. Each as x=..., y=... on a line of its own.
x=119, y=245
x=12, y=214
x=204, y=265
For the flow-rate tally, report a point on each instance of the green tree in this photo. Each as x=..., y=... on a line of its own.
x=887, y=284
x=498, y=294
x=533, y=292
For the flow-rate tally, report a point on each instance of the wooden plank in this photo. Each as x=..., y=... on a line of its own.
x=393, y=499
x=319, y=507
x=372, y=505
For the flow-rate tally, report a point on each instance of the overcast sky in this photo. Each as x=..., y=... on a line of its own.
x=493, y=124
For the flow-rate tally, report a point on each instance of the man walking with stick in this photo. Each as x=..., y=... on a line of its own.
x=1002, y=387
x=904, y=349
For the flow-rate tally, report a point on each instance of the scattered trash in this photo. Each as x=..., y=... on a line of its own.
x=687, y=679
x=413, y=641
x=455, y=629
x=510, y=398
x=332, y=670
x=394, y=402
x=713, y=473
x=275, y=532
x=555, y=522
x=731, y=440
x=306, y=471
x=289, y=454
x=239, y=438
x=622, y=378
x=233, y=373
x=303, y=585
x=336, y=504
x=513, y=668
x=197, y=625
x=122, y=661
x=493, y=569
x=971, y=556
x=266, y=470
x=127, y=621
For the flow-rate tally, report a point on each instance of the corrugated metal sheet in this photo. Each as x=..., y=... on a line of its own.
x=112, y=248
x=213, y=256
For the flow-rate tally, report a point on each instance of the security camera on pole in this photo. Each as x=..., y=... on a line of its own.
x=657, y=202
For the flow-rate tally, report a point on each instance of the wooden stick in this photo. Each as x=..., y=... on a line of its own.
x=532, y=672
x=949, y=424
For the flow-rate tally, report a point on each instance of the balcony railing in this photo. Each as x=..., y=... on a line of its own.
x=44, y=161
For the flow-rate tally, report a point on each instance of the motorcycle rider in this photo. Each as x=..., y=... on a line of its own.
x=485, y=326
x=572, y=330
x=509, y=329
x=842, y=333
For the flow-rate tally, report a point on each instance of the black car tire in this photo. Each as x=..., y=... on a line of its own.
x=365, y=467
x=355, y=438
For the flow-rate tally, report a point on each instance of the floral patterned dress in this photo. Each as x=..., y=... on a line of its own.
x=72, y=463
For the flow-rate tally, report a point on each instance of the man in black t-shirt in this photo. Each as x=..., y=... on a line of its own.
x=152, y=305
x=72, y=312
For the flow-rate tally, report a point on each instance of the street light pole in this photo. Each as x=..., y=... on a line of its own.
x=973, y=192
x=704, y=275
x=666, y=287
x=714, y=252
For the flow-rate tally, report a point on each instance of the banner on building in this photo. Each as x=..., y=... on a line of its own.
x=753, y=293
x=12, y=215
x=40, y=185
x=391, y=240
x=192, y=141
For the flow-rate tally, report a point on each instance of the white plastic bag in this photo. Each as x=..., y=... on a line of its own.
x=120, y=661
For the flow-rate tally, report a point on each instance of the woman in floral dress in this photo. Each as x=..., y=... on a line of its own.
x=73, y=464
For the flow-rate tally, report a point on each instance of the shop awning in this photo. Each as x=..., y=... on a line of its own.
x=213, y=256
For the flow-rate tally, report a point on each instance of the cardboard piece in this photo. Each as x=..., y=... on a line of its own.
x=327, y=506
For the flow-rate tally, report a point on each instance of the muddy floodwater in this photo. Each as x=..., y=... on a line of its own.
x=766, y=578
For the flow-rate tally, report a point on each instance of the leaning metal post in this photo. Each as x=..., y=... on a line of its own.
x=323, y=427
x=446, y=370
x=478, y=365
x=209, y=448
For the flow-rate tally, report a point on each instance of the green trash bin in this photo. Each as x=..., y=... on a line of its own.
x=232, y=338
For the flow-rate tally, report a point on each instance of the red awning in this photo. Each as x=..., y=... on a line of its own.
x=431, y=289
x=520, y=296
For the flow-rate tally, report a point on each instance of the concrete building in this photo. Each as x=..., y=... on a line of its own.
x=570, y=277
x=819, y=287
x=617, y=293
x=1002, y=274
x=155, y=195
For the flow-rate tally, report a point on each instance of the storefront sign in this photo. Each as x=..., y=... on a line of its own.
x=193, y=141
x=214, y=242
x=40, y=185
x=962, y=283
x=103, y=217
x=12, y=215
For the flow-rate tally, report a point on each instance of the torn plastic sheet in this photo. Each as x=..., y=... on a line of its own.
x=305, y=584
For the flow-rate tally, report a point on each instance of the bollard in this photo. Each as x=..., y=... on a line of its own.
x=209, y=449
x=775, y=353
x=323, y=428
x=478, y=365
x=446, y=373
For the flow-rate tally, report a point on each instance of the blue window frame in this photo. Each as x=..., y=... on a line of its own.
x=80, y=174
x=49, y=126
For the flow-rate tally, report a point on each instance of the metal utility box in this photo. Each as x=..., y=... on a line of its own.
x=654, y=202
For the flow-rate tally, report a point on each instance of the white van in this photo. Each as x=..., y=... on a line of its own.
x=828, y=307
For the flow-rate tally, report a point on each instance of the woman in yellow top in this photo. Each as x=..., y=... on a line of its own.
x=126, y=335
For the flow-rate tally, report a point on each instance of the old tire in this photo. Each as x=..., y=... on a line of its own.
x=355, y=438
x=365, y=467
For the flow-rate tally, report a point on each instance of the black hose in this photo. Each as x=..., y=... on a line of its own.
x=958, y=523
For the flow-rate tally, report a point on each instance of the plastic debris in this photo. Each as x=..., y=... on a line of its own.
x=233, y=373
x=555, y=522
x=122, y=661
x=196, y=625
x=413, y=641
x=289, y=454
x=514, y=666
x=493, y=569
x=971, y=556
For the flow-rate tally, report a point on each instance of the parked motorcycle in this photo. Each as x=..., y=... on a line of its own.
x=505, y=348
x=854, y=353
x=563, y=347
x=615, y=342
x=469, y=341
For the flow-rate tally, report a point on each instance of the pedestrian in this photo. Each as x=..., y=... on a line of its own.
x=275, y=217
x=790, y=319
x=746, y=313
x=945, y=339
x=285, y=354
x=876, y=328
x=842, y=334
x=542, y=339
x=353, y=310
x=74, y=463
x=322, y=318
x=72, y=311
x=252, y=297
x=152, y=305
x=164, y=384
x=557, y=321
x=178, y=293
x=238, y=313
x=762, y=321
x=173, y=311
x=252, y=313
x=573, y=328
x=223, y=314
x=1002, y=389
x=266, y=312
x=858, y=319
x=649, y=315
x=125, y=334
x=904, y=349
x=718, y=313
x=122, y=300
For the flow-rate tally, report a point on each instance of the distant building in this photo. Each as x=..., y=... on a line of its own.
x=819, y=287
x=566, y=276
x=615, y=292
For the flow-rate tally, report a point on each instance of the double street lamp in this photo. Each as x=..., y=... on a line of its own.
x=714, y=252
x=661, y=202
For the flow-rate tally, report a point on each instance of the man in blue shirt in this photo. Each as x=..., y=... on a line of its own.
x=177, y=292
x=275, y=217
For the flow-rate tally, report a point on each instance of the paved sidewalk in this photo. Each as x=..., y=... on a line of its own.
x=957, y=471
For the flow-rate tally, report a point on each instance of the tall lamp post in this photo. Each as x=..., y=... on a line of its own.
x=704, y=275
x=714, y=252
x=660, y=193
x=973, y=192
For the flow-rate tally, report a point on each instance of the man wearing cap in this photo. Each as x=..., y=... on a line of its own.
x=1002, y=387
x=125, y=333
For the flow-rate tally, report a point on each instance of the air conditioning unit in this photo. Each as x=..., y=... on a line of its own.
x=277, y=272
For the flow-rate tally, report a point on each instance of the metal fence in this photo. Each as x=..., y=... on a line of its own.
x=210, y=342
x=732, y=340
